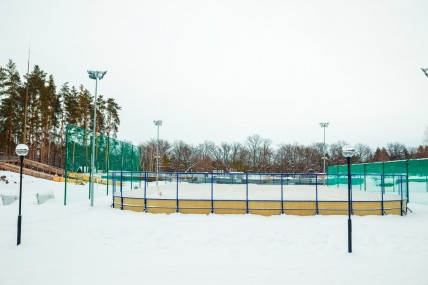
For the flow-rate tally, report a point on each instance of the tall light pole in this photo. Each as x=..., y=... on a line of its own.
x=97, y=75
x=157, y=123
x=425, y=70
x=21, y=150
x=324, y=125
x=348, y=152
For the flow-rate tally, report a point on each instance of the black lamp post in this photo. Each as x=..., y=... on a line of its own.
x=348, y=152
x=21, y=150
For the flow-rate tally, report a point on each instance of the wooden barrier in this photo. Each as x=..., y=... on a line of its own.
x=230, y=207
x=299, y=208
x=264, y=208
x=195, y=206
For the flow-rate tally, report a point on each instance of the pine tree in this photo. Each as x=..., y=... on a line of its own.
x=85, y=108
x=10, y=107
x=112, y=118
x=101, y=110
x=380, y=155
x=71, y=105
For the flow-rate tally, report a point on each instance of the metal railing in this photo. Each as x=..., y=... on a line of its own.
x=385, y=188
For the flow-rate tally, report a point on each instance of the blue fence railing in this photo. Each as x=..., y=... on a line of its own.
x=247, y=186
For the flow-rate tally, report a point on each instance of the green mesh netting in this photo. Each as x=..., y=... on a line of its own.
x=110, y=154
x=415, y=173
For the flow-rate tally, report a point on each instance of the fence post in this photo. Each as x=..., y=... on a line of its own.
x=316, y=193
x=132, y=164
x=337, y=176
x=382, y=181
x=352, y=202
x=407, y=182
x=282, y=194
x=145, y=191
x=113, y=189
x=177, y=209
x=401, y=195
x=65, y=168
x=246, y=191
x=212, y=193
x=365, y=177
x=121, y=196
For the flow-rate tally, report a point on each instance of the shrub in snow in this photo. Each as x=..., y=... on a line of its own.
x=41, y=198
x=7, y=200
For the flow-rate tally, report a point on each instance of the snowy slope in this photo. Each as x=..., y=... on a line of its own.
x=79, y=244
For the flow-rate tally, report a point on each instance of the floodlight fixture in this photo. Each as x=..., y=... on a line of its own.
x=425, y=70
x=97, y=75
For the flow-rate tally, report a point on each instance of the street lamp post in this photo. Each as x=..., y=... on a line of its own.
x=348, y=152
x=96, y=75
x=157, y=123
x=324, y=125
x=21, y=150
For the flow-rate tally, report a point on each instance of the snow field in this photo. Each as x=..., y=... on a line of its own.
x=79, y=244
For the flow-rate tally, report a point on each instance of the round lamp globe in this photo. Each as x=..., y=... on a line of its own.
x=348, y=151
x=21, y=150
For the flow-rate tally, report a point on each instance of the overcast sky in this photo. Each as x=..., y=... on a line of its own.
x=225, y=70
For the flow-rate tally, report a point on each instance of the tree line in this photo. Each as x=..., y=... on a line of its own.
x=46, y=111
x=257, y=154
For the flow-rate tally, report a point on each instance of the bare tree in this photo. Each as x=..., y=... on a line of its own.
x=336, y=156
x=363, y=153
x=226, y=155
x=397, y=151
x=266, y=155
x=182, y=156
x=254, y=144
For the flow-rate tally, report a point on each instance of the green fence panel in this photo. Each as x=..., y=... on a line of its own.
x=110, y=154
x=415, y=171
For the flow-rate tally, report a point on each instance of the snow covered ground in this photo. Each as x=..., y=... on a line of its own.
x=79, y=244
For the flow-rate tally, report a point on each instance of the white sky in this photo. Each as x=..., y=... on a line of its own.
x=225, y=70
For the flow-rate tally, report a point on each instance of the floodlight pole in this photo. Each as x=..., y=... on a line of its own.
x=425, y=70
x=157, y=123
x=324, y=125
x=97, y=75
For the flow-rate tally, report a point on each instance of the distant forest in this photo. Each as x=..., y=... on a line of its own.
x=257, y=154
x=47, y=113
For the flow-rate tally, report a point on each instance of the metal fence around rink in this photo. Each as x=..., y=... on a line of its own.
x=260, y=193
